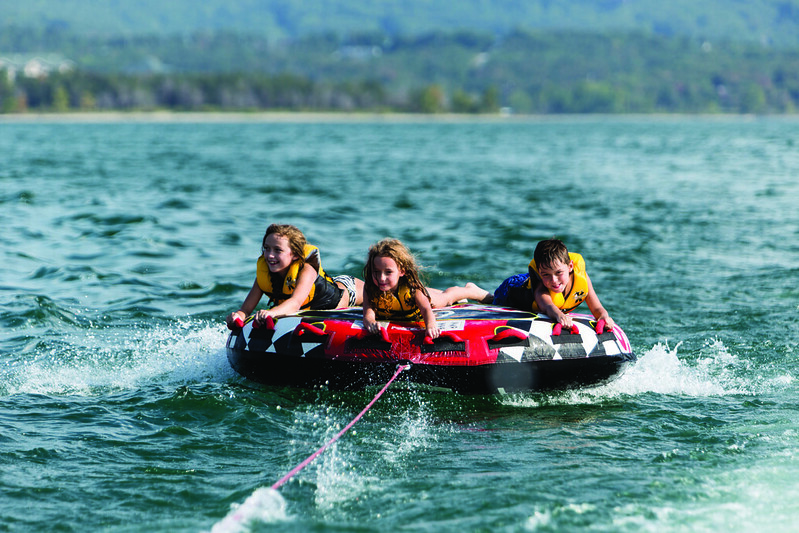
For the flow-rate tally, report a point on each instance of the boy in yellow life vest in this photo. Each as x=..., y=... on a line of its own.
x=556, y=283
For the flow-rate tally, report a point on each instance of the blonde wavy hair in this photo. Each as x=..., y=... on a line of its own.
x=405, y=260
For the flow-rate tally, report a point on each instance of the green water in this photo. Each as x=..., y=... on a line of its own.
x=126, y=243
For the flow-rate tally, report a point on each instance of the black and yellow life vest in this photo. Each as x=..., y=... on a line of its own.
x=325, y=294
x=401, y=306
x=579, y=290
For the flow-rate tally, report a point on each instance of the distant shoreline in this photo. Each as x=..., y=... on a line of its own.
x=335, y=117
x=233, y=116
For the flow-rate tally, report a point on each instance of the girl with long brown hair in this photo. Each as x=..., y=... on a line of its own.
x=393, y=290
x=289, y=272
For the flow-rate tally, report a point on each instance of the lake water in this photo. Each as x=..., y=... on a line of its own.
x=125, y=243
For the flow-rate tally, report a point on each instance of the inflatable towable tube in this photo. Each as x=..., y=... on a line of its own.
x=481, y=350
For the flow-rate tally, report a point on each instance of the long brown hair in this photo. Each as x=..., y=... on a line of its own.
x=295, y=237
x=397, y=251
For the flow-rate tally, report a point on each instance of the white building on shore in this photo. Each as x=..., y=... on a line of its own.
x=34, y=66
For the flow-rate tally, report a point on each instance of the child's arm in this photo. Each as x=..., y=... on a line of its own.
x=596, y=306
x=305, y=282
x=548, y=307
x=424, y=305
x=369, y=317
x=252, y=299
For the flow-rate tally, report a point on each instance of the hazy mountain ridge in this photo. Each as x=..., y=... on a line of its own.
x=767, y=21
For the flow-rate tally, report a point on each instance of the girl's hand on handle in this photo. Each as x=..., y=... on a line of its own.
x=372, y=328
x=261, y=318
x=432, y=331
x=235, y=320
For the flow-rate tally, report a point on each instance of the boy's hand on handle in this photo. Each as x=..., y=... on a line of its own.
x=557, y=329
x=605, y=321
x=432, y=331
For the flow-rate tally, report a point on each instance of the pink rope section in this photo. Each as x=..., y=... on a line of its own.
x=329, y=443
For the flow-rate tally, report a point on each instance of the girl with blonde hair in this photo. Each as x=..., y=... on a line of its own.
x=393, y=290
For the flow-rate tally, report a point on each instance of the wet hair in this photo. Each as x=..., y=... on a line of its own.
x=295, y=237
x=549, y=251
x=397, y=251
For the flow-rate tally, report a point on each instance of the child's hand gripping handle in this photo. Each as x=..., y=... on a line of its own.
x=557, y=328
x=451, y=335
x=383, y=334
x=268, y=323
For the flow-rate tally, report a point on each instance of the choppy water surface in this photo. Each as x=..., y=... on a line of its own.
x=125, y=244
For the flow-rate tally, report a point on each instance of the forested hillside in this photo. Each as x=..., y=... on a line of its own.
x=386, y=56
x=768, y=21
x=528, y=72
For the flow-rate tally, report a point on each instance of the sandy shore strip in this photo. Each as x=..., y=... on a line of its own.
x=306, y=117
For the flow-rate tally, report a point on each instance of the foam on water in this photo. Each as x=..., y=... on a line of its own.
x=340, y=474
x=714, y=371
x=697, y=436
x=263, y=505
x=750, y=497
x=660, y=370
x=88, y=363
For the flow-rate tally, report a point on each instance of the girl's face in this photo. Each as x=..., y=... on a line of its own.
x=277, y=253
x=385, y=273
x=556, y=277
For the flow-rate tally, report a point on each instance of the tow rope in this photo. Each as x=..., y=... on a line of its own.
x=251, y=508
x=329, y=443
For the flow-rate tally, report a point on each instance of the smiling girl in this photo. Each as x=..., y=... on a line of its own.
x=393, y=291
x=290, y=273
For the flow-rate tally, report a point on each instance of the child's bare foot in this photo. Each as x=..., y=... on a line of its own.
x=482, y=295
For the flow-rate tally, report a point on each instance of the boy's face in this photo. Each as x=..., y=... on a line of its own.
x=556, y=276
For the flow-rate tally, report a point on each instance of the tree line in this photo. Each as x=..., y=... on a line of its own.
x=462, y=72
x=80, y=91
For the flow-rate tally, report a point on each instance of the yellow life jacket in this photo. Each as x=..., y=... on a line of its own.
x=401, y=306
x=324, y=294
x=579, y=291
